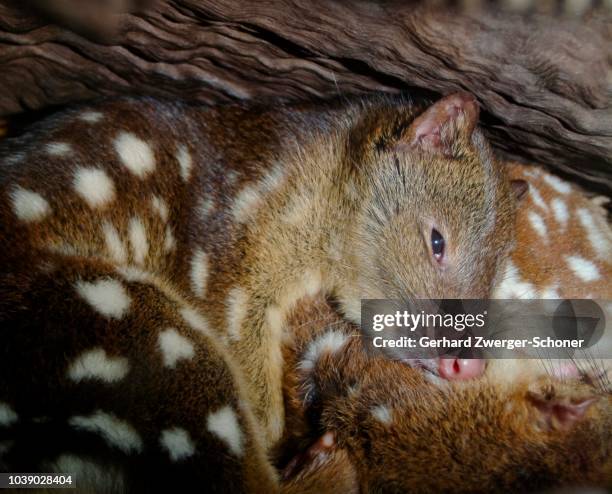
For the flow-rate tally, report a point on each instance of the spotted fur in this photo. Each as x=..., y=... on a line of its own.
x=148, y=242
x=563, y=239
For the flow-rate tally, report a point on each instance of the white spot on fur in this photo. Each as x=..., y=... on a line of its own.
x=195, y=320
x=205, y=206
x=583, y=268
x=58, y=148
x=600, y=201
x=177, y=443
x=134, y=275
x=138, y=240
x=174, y=347
x=550, y=293
x=28, y=205
x=183, y=156
x=311, y=282
x=94, y=186
x=117, y=433
x=114, y=245
x=308, y=284
x=246, y=204
x=556, y=183
x=91, y=116
x=329, y=342
x=63, y=249
x=351, y=308
x=250, y=198
x=199, y=272
x=382, y=414
x=274, y=178
x=95, y=364
x=92, y=477
x=107, y=296
x=224, y=424
x=538, y=224
x=237, y=305
x=599, y=243
x=135, y=154
x=8, y=416
x=532, y=172
x=512, y=286
x=160, y=207
x=169, y=240
x=560, y=211
x=537, y=198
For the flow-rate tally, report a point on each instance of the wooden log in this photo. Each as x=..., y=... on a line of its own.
x=543, y=82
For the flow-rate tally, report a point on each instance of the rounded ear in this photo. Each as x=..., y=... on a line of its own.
x=519, y=188
x=560, y=412
x=452, y=117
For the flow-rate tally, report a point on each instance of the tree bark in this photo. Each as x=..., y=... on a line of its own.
x=544, y=83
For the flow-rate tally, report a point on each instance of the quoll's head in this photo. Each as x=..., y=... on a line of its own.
x=435, y=210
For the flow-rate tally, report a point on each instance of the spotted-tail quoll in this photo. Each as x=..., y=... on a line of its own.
x=149, y=247
x=358, y=424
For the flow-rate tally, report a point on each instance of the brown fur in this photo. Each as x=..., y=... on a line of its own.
x=498, y=410
x=338, y=198
x=323, y=217
x=146, y=398
x=575, y=225
x=485, y=435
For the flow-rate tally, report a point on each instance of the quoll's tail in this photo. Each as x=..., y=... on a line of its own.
x=115, y=379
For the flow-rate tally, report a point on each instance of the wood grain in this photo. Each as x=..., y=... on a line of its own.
x=544, y=83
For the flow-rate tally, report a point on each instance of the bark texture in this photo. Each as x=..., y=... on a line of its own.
x=544, y=83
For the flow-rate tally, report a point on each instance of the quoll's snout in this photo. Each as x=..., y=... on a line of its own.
x=457, y=369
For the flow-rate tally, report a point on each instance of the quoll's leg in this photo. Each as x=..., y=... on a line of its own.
x=109, y=375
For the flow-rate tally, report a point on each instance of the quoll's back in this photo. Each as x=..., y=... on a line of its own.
x=241, y=211
x=564, y=242
x=151, y=252
x=107, y=235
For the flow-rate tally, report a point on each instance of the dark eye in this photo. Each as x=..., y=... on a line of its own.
x=437, y=244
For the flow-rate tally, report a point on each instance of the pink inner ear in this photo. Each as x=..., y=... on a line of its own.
x=562, y=414
x=567, y=414
x=426, y=129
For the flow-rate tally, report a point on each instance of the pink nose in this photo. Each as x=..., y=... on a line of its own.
x=457, y=369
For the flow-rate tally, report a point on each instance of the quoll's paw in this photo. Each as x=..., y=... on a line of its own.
x=323, y=468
